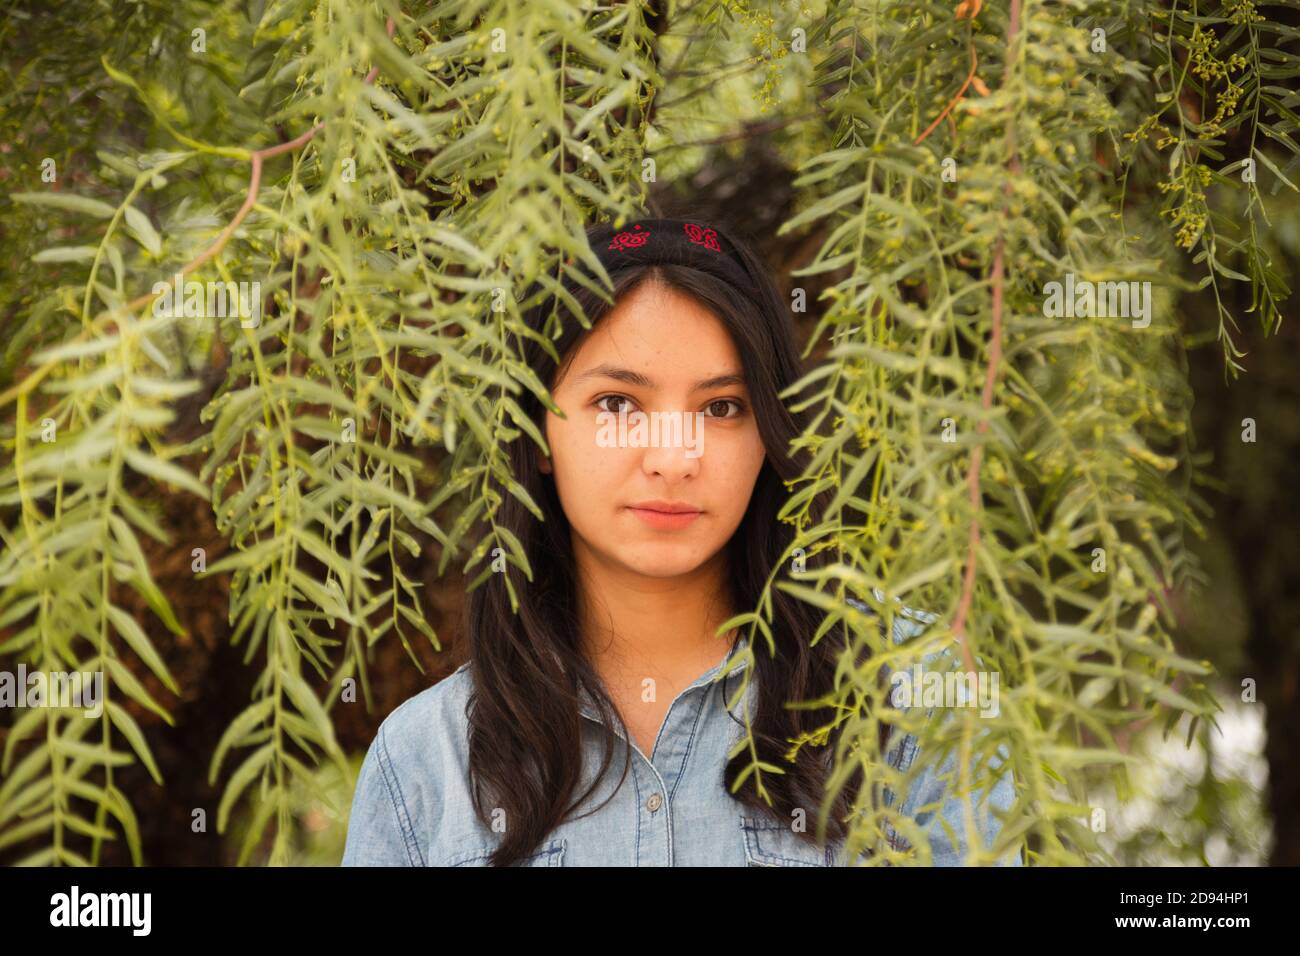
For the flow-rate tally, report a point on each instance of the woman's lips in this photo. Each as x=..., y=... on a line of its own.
x=664, y=520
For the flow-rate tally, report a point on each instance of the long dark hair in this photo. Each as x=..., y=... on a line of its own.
x=525, y=753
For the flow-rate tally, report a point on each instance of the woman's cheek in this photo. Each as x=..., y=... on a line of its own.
x=743, y=471
x=585, y=472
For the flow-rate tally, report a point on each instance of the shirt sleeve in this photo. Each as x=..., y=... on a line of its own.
x=935, y=805
x=379, y=829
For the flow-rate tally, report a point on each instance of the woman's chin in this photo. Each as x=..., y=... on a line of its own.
x=663, y=561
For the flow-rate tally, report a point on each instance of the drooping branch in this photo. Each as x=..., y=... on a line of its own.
x=257, y=157
x=254, y=187
x=996, y=281
x=970, y=9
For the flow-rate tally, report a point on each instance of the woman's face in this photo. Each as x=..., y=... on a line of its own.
x=657, y=351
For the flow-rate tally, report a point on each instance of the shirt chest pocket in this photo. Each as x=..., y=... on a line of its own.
x=771, y=843
x=548, y=853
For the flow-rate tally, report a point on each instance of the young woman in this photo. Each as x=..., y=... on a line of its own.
x=596, y=726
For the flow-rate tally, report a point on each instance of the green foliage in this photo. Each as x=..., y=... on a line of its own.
x=395, y=179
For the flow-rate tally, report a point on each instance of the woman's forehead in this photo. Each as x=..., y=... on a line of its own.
x=662, y=337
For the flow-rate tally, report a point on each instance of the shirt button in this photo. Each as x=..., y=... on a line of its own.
x=653, y=803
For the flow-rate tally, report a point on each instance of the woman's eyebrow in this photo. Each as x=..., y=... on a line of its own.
x=636, y=378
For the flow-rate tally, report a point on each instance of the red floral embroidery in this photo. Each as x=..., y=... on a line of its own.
x=630, y=240
x=701, y=236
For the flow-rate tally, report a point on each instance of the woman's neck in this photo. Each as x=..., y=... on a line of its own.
x=635, y=627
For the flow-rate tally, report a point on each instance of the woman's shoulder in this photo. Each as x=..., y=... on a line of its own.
x=909, y=622
x=448, y=696
x=429, y=726
x=412, y=782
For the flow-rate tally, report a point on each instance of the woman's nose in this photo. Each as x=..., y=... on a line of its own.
x=675, y=448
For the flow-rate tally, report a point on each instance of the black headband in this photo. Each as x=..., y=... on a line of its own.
x=675, y=242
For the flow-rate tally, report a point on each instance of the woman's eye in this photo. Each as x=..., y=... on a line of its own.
x=600, y=403
x=724, y=404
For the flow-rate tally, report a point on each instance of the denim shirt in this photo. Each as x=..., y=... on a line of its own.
x=412, y=805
